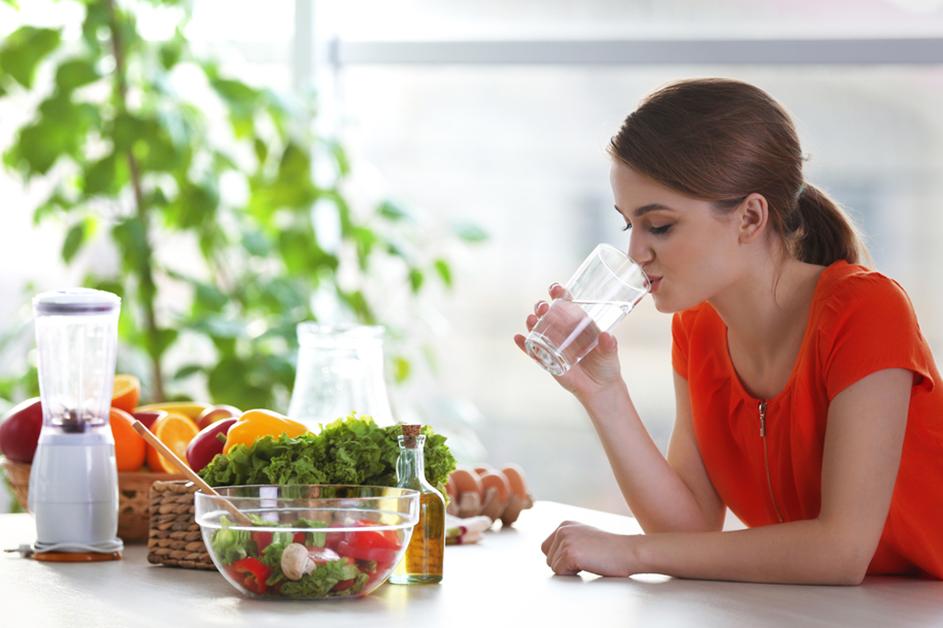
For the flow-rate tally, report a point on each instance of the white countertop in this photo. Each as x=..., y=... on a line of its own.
x=500, y=581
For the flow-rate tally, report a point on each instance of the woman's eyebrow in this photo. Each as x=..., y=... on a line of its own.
x=644, y=209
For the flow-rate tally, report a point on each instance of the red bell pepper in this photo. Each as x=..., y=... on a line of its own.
x=251, y=573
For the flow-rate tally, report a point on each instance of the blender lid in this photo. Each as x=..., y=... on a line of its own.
x=75, y=301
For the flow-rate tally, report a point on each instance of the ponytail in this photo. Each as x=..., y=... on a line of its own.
x=824, y=232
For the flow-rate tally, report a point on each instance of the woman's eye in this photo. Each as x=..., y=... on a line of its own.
x=660, y=230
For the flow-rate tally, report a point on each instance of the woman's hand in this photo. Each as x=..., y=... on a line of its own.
x=575, y=547
x=597, y=371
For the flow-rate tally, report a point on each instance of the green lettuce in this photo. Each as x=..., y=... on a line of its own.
x=353, y=450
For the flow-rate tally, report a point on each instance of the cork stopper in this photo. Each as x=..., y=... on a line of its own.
x=410, y=432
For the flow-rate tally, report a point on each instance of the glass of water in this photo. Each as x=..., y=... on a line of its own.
x=606, y=287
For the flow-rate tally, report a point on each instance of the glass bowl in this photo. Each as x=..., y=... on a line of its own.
x=311, y=541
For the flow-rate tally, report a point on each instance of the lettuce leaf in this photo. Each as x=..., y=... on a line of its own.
x=353, y=450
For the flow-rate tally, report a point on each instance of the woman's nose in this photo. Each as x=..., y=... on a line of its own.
x=639, y=251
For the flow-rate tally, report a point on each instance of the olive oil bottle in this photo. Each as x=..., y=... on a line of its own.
x=422, y=563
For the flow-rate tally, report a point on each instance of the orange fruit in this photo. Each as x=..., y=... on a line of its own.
x=126, y=392
x=176, y=431
x=130, y=448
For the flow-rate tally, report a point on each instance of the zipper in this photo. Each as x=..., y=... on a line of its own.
x=769, y=480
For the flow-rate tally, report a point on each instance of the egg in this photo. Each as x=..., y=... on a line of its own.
x=515, y=477
x=466, y=481
x=497, y=481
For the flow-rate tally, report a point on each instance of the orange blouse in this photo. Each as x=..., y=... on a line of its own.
x=860, y=322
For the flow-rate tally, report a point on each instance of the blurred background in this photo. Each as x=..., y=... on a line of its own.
x=455, y=165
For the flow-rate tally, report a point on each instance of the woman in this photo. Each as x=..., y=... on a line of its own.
x=807, y=398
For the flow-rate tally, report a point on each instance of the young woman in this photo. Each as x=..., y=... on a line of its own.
x=808, y=401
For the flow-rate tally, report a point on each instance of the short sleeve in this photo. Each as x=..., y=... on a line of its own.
x=679, y=345
x=870, y=326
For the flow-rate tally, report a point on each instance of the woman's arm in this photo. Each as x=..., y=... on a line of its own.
x=863, y=443
x=673, y=495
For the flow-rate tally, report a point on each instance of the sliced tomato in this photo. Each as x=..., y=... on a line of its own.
x=386, y=539
x=251, y=573
x=383, y=557
x=331, y=539
x=299, y=537
x=344, y=584
x=262, y=540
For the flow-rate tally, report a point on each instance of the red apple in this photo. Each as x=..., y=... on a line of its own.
x=205, y=445
x=211, y=414
x=148, y=417
x=19, y=431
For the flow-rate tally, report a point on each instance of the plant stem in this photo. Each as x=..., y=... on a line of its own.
x=147, y=288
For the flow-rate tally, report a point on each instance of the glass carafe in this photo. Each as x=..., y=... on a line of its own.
x=339, y=371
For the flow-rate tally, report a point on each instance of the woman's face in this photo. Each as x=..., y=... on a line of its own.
x=689, y=250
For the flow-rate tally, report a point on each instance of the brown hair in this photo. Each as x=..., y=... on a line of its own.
x=721, y=140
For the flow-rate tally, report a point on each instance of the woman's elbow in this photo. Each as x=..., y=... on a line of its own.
x=853, y=565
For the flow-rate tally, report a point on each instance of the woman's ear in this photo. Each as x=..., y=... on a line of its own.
x=754, y=216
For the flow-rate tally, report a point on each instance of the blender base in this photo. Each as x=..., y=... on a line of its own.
x=76, y=557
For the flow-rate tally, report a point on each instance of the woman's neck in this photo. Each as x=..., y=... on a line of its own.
x=766, y=311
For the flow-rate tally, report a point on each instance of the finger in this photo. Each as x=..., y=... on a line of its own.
x=530, y=321
x=519, y=341
x=563, y=564
x=541, y=307
x=558, y=292
x=548, y=543
x=607, y=343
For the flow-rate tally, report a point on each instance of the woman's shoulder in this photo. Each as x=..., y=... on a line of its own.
x=852, y=294
x=844, y=286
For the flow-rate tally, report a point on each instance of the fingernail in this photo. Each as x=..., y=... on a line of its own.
x=552, y=286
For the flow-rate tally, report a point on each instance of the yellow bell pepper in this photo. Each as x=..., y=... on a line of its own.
x=254, y=424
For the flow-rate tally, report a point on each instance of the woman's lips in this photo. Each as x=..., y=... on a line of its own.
x=655, y=282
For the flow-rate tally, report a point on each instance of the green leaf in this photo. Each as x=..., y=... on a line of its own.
x=393, y=211
x=365, y=240
x=75, y=73
x=301, y=253
x=106, y=177
x=60, y=130
x=171, y=52
x=256, y=243
x=131, y=237
x=73, y=241
x=415, y=279
x=24, y=49
x=227, y=380
x=401, y=369
x=55, y=203
x=470, y=233
x=357, y=302
x=188, y=371
x=340, y=157
x=261, y=150
x=444, y=270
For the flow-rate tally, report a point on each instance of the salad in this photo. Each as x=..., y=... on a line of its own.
x=309, y=563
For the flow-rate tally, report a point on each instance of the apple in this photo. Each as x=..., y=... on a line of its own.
x=148, y=417
x=19, y=431
x=205, y=445
x=211, y=414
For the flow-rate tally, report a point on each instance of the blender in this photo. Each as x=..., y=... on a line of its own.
x=73, y=484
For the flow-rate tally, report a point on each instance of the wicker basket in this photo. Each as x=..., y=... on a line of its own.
x=175, y=537
x=133, y=487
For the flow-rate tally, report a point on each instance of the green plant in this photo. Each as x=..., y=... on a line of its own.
x=134, y=154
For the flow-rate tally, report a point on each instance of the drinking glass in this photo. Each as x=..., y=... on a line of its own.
x=606, y=287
